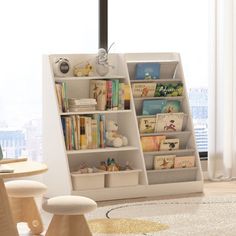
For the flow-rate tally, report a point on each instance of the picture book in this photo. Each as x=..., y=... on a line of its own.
x=169, y=90
x=169, y=144
x=184, y=162
x=169, y=122
x=98, y=90
x=147, y=71
x=143, y=89
x=151, y=143
x=164, y=162
x=126, y=96
x=153, y=107
x=147, y=125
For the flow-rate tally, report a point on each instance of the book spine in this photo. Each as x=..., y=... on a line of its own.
x=78, y=131
x=109, y=95
x=114, y=95
x=83, y=138
x=94, y=129
x=121, y=96
x=58, y=88
x=75, y=131
x=102, y=131
x=88, y=130
x=127, y=96
x=65, y=107
x=97, y=118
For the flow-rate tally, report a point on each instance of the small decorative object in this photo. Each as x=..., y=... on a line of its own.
x=83, y=69
x=102, y=65
x=1, y=154
x=112, y=165
x=113, y=138
x=61, y=67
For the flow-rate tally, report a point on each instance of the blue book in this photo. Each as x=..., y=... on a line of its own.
x=147, y=71
x=153, y=107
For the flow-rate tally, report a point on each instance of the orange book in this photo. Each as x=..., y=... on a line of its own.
x=151, y=143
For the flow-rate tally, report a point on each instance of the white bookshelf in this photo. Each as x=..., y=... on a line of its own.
x=170, y=72
x=62, y=162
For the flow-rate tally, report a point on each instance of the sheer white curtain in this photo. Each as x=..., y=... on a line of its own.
x=222, y=91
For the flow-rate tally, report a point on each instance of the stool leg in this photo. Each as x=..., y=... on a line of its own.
x=25, y=210
x=68, y=226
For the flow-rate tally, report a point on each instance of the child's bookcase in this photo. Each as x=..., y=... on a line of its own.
x=62, y=162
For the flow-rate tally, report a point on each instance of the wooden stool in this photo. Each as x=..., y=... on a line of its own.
x=24, y=209
x=68, y=218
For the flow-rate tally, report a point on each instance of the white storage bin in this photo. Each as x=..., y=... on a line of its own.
x=88, y=181
x=122, y=178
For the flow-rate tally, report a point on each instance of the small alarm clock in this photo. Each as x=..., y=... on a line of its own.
x=61, y=67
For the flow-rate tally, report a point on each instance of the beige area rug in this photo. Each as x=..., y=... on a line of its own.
x=193, y=216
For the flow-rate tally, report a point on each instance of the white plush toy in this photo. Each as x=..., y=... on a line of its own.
x=113, y=138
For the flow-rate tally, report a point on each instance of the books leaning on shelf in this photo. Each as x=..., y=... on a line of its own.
x=110, y=94
x=147, y=71
x=169, y=90
x=151, y=143
x=84, y=132
x=61, y=96
x=152, y=107
x=184, y=162
x=143, y=89
x=164, y=162
x=147, y=125
x=169, y=122
x=169, y=144
x=86, y=104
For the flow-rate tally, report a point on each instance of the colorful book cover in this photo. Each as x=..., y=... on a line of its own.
x=102, y=131
x=147, y=71
x=169, y=90
x=127, y=96
x=184, y=162
x=98, y=90
x=153, y=107
x=151, y=143
x=164, y=162
x=169, y=144
x=143, y=89
x=83, y=137
x=97, y=118
x=78, y=130
x=169, y=122
x=147, y=125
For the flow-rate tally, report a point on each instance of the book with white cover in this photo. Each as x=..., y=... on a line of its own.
x=169, y=122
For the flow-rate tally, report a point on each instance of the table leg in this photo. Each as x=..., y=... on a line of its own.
x=7, y=224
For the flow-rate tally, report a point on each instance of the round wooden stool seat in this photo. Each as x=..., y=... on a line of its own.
x=68, y=215
x=24, y=188
x=69, y=205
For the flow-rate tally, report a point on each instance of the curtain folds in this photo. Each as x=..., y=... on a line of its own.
x=222, y=91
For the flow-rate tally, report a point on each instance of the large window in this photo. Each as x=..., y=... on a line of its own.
x=168, y=26
x=30, y=29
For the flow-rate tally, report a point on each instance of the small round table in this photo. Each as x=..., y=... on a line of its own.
x=21, y=169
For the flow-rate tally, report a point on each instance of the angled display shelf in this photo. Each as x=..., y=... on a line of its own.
x=143, y=180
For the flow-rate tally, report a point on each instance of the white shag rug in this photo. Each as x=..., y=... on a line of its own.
x=191, y=216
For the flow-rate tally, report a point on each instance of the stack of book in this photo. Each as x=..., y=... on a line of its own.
x=86, y=104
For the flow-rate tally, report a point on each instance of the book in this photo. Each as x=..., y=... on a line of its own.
x=121, y=96
x=169, y=122
x=115, y=94
x=164, y=162
x=83, y=137
x=98, y=91
x=147, y=71
x=169, y=90
x=109, y=95
x=151, y=143
x=143, y=89
x=153, y=107
x=127, y=96
x=169, y=144
x=184, y=162
x=147, y=125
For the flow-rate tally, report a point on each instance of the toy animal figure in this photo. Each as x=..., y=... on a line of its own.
x=83, y=70
x=113, y=138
